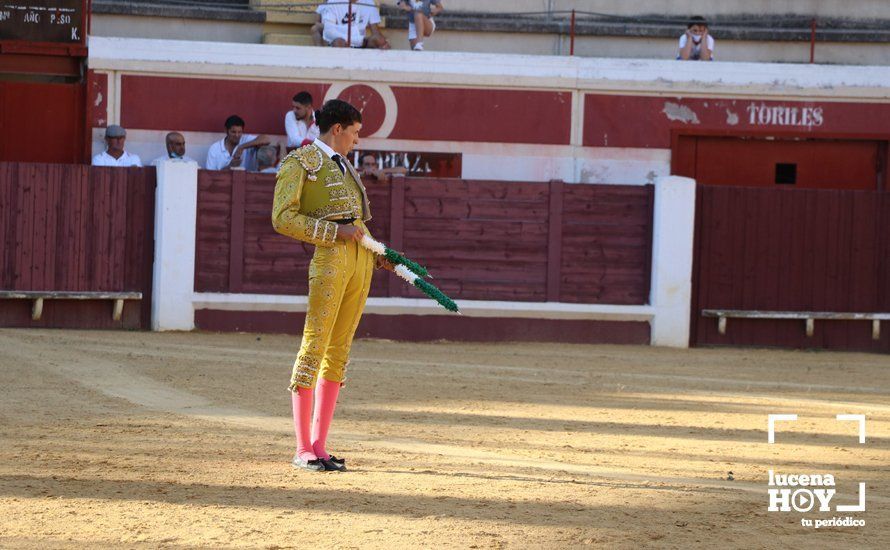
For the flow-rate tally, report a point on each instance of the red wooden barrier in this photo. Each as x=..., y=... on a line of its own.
x=482, y=240
x=792, y=250
x=76, y=228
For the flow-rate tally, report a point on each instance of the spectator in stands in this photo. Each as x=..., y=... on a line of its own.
x=370, y=168
x=334, y=25
x=175, y=143
x=114, y=154
x=696, y=44
x=237, y=149
x=299, y=122
x=267, y=159
x=317, y=29
x=420, y=19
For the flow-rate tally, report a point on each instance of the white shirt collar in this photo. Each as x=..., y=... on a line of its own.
x=325, y=149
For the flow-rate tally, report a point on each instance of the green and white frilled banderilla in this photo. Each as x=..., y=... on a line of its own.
x=412, y=272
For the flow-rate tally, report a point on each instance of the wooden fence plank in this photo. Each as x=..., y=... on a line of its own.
x=395, y=287
x=236, y=232
x=68, y=230
x=8, y=207
x=554, y=240
x=791, y=250
x=481, y=240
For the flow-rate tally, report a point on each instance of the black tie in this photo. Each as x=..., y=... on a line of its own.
x=339, y=160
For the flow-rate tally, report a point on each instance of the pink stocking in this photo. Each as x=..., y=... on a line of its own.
x=302, y=403
x=325, y=403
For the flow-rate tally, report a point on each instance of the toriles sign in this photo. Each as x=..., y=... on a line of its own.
x=784, y=115
x=647, y=121
x=54, y=21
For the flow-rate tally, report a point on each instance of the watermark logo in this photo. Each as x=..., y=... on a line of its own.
x=810, y=492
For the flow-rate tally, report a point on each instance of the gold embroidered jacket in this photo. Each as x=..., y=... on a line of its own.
x=311, y=191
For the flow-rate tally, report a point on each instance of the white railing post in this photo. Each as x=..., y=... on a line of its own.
x=673, y=231
x=173, y=274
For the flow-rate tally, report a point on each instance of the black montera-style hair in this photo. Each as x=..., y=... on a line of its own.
x=336, y=111
x=303, y=98
x=234, y=120
x=697, y=20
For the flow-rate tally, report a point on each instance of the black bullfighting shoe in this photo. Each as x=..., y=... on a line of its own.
x=334, y=464
x=312, y=465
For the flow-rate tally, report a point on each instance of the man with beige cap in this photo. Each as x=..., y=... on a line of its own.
x=114, y=154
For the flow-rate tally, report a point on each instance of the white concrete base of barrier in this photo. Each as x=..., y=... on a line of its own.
x=422, y=306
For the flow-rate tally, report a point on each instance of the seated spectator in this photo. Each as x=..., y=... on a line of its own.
x=114, y=154
x=696, y=44
x=335, y=25
x=175, y=143
x=370, y=168
x=420, y=19
x=299, y=122
x=237, y=149
x=317, y=29
x=267, y=159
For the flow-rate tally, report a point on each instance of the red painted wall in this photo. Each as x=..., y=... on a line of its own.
x=482, y=240
x=202, y=105
x=792, y=250
x=498, y=116
x=459, y=114
x=819, y=164
x=42, y=122
x=70, y=227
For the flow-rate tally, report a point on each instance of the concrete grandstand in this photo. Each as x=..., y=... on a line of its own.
x=747, y=31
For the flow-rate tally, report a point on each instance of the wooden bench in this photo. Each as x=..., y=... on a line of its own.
x=38, y=296
x=809, y=317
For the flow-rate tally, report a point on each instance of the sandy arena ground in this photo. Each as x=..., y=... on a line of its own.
x=145, y=440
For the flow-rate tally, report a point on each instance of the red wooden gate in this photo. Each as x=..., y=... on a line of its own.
x=76, y=228
x=791, y=250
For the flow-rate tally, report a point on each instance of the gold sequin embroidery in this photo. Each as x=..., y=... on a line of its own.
x=339, y=193
x=305, y=370
x=347, y=208
x=310, y=159
x=333, y=179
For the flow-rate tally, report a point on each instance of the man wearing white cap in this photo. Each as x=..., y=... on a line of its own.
x=114, y=154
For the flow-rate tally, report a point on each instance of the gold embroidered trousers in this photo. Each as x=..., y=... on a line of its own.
x=339, y=282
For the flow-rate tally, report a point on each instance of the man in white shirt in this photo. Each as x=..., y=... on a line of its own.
x=299, y=122
x=236, y=150
x=114, y=154
x=175, y=143
x=696, y=44
x=335, y=19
